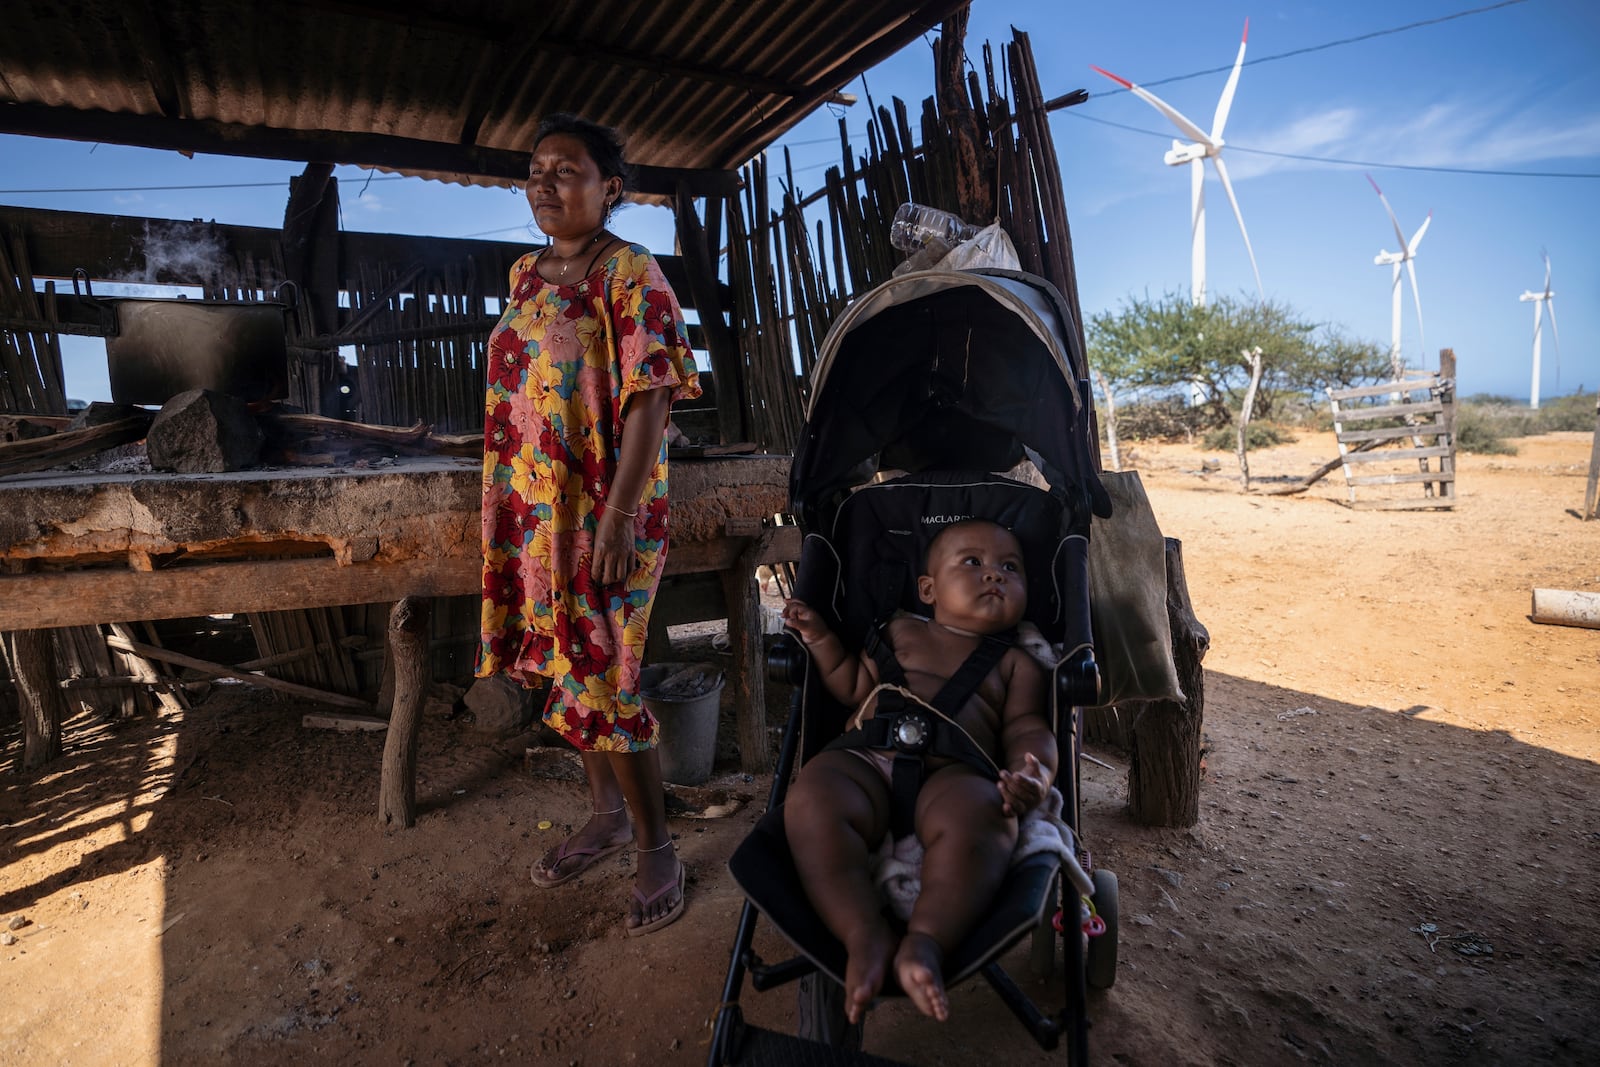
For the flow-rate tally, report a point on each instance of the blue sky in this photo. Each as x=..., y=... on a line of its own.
x=1514, y=88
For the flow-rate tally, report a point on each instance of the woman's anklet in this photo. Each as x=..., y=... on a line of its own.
x=613, y=811
x=659, y=847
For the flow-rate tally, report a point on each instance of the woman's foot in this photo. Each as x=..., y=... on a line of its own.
x=605, y=834
x=657, y=897
x=866, y=965
x=919, y=966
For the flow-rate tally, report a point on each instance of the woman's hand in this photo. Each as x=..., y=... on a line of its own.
x=1023, y=790
x=615, y=554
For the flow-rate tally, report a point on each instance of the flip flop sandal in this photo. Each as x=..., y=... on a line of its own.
x=589, y=855
x=672, y=915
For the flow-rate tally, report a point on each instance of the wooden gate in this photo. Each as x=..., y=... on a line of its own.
x=1390, y=435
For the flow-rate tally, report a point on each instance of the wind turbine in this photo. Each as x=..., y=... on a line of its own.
x=1406, y=255
x=1202, y=146
x=1540, y=302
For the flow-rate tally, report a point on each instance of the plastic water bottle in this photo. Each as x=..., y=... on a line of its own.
x=916, y=226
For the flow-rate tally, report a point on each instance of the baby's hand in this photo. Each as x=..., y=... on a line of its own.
x=1022, y=791
x=803, y=620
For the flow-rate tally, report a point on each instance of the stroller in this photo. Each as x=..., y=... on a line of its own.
x=941, y=378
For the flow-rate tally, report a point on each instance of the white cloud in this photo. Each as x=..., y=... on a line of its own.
x=1458, y=134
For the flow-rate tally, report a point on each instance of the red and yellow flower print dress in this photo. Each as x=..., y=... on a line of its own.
x=563, y=362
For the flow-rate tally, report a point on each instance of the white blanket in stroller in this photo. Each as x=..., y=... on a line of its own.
x=897, y=870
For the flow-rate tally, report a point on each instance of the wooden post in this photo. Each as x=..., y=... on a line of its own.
x=1164, y=757
x=1591, y=495
x=1253, y=356
x=385, y=700
x=408, y=649
x=700, y=265
x=39, y=697
x=748, y=670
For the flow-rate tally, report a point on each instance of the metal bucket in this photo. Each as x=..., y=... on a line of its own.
x=158, y=348
x=688, y=724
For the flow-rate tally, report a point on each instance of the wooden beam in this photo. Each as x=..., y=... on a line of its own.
x=925, y=19
x=85, y=597
x=113, y=246
x=221, y=671
x=327, y=146
x=748, y=673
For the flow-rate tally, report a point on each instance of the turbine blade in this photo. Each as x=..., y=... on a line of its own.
x=1416, y=298
x=1416, y=238
x=1225, y=102
x=1546, y=272
x=1177, y=117
x=1550, y=305
x=1227, y=187
x=1398, y=235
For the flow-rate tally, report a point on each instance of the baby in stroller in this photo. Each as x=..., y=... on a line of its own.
x=997, y=765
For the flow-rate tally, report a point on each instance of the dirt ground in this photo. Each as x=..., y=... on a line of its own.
x=1397, y=859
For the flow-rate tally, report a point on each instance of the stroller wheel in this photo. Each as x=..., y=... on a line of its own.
x=1100, y=966
x=821, y=1014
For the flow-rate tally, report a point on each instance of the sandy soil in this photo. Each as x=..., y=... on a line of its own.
x=1397, y=861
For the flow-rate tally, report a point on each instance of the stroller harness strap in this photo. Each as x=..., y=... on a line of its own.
x=911, y=733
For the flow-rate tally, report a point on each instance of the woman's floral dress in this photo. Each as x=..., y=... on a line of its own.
x=563, y=362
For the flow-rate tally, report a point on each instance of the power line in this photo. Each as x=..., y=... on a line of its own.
x=1317, y=47
x=1233, y=147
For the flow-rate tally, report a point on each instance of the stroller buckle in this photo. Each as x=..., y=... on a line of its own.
x=911, y=733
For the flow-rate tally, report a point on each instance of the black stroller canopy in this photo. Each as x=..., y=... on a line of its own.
x=948, y=370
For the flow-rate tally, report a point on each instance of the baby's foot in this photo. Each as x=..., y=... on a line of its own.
x=864, y=971
x=919, y=965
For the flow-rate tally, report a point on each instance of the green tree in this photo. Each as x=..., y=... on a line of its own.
x=1158, y=345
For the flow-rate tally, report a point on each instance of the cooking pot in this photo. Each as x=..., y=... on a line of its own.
x=158, y=348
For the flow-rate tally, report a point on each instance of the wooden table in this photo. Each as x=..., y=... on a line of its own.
x=81, y=549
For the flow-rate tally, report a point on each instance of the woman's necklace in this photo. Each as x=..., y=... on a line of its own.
x=567, y=261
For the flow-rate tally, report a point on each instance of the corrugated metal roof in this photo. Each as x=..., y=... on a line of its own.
x=696, y=84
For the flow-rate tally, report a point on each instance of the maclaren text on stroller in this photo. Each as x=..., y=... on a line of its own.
x=945, y=377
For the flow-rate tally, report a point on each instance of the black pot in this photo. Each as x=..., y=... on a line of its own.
x=158, y=348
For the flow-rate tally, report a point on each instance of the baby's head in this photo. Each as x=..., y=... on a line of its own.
x=974, y=577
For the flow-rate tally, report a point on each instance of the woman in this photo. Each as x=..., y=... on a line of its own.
x=583, y=366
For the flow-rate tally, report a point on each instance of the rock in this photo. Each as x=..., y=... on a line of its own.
x=499, y=705
x=203, y=432
x=17, y=922
x=8, y=938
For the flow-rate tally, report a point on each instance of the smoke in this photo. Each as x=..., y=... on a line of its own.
x=180, y=253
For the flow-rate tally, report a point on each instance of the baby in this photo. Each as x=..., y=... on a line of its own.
x=838, y=809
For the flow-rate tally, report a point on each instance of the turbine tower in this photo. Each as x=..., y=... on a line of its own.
x=1406, y=255
x=1540, y=302
x=1201, y=146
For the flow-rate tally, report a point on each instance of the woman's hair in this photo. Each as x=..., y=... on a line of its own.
x=603, y=143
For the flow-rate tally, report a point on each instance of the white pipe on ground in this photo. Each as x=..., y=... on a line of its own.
x=1566, y=607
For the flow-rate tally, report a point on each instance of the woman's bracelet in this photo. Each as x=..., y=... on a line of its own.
x=631, y=514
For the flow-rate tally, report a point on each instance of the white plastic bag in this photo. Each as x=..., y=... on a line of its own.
x=991, y=247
